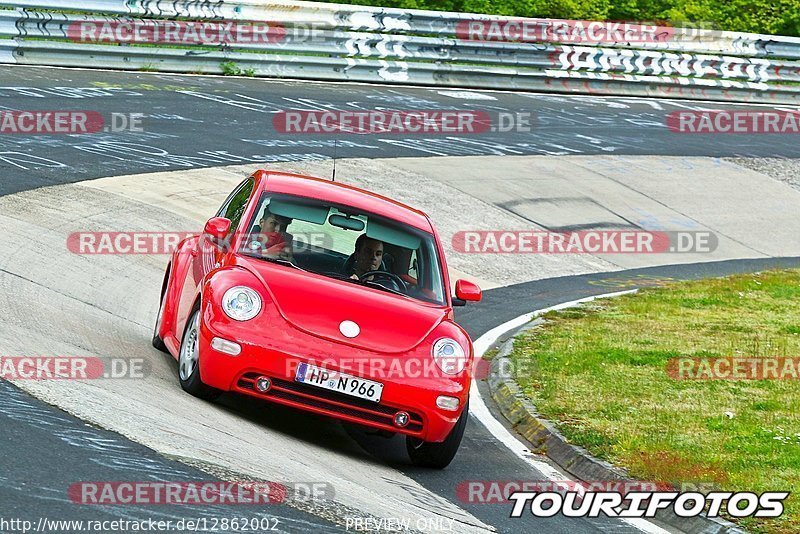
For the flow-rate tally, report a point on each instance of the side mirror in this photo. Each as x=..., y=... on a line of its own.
x=466, y=292
x=217, y=229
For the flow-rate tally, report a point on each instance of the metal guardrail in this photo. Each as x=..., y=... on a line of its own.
x=356, y=43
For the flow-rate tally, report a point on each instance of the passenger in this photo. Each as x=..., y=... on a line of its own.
x=271, y=233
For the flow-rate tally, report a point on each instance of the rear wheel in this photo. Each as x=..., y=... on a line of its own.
x=189, y=362
x=438, y=455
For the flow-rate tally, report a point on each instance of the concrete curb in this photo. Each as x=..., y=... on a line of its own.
x=544, y=438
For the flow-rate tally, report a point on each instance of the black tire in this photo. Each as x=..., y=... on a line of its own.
x=189, y=364
x=157, y=341
x=438, y=455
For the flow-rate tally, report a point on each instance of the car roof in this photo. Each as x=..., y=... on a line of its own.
x=347, y=195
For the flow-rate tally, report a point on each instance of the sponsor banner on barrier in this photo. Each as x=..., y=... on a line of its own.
x=562, y=31
x=735, y=121
x=68, y=122
x=582, y=242
x=71, y=368
x=734, y=368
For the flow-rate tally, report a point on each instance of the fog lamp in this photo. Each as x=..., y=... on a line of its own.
x=263, y=384
x=401, y=419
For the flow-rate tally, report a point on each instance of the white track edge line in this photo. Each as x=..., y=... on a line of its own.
x=481, y=412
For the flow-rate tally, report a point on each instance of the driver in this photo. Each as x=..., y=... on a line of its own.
x=368, y=256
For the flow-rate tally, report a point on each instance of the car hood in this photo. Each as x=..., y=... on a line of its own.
x=318, y=305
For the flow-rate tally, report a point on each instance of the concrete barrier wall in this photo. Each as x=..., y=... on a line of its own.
x=308, y=40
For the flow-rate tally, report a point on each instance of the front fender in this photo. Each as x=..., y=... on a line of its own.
x=177, y=269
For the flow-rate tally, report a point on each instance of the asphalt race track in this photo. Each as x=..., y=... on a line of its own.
x=196, y=121
x=193, y=122
x=45, y=451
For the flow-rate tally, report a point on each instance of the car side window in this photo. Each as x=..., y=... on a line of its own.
x=234, y=207
x=224, y=208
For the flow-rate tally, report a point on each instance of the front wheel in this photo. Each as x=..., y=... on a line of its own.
x=189, y=362
x=438, y=455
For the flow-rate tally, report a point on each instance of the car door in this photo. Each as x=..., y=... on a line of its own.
x=207, y=256
x=210, y=255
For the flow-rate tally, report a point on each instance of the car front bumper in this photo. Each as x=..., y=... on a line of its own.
x=277, y=353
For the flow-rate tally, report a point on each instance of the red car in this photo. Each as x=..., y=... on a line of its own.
x=326, y=298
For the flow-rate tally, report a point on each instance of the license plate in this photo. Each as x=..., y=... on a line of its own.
x=339, y=382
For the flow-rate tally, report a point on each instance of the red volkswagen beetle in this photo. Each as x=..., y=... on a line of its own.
x=326, y=298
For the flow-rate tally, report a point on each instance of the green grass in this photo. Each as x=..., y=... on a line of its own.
x=230, y=68
x=600, y=373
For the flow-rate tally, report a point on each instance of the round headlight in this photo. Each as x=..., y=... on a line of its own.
x=449, y=356
x=241, y=303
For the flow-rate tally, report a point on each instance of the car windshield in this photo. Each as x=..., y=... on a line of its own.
x=346, y=244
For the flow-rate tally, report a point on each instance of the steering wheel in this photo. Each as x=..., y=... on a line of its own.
x=399, y=283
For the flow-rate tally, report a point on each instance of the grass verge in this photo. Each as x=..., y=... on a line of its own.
x=600, y=373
